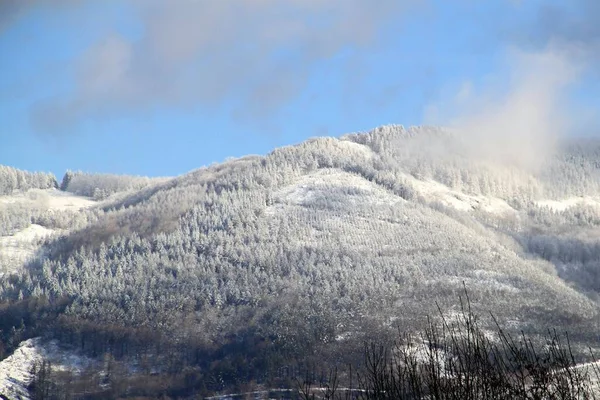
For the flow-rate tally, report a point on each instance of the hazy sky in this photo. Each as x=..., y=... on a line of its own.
x=157, y=87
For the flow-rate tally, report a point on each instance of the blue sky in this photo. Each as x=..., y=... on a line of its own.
x=158, y=88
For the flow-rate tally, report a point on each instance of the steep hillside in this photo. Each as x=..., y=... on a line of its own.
x=321, y=245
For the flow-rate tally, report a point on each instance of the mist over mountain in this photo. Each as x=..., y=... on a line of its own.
x=305, y=253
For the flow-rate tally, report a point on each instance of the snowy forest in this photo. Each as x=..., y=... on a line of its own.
x=250, y=271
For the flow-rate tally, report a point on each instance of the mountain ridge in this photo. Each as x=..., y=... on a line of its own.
x=324, y=244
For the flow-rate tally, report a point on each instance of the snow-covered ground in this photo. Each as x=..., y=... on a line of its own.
x=322, y=180
x=435, y=191
x=319, y=184
x=357, y=147
x=562, y=205
x=21, y=246
x=15, y=370
x=15, y=250
x=52, y=199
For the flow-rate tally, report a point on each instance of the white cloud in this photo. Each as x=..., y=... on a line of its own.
x=257, y=54
x=517, y=118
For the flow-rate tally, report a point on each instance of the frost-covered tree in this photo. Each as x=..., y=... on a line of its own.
x=12, y=179
x=101, y=186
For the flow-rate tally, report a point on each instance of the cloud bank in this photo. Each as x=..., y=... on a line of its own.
x=255, y=55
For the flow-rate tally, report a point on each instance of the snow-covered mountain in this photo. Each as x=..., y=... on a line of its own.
x=308, y=251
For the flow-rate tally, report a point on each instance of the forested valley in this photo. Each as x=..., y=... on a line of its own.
x=257, y=272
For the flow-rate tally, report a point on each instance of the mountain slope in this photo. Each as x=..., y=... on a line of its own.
x=321, y=245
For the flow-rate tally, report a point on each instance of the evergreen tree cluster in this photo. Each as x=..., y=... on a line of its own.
x=101, y=186
x=12, y=179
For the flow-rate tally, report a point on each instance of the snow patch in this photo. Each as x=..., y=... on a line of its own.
x=563, y=205
x=322, y=182
x=307, y=187
x=15, y=370
x=492, y=281
x=435, y=191
x=63, y=201
x=360, y=148
x=17, y=249
x=51, y=199
x=31, y=233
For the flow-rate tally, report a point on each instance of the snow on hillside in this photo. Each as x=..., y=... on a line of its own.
x=592, y=369
x=562, y=205
x=309, y=188
x=18, y=248
x=359, y=148
x=15, y=250
x=435, y=191
x=53, y=199
x=62, y=201
x=15, y=370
